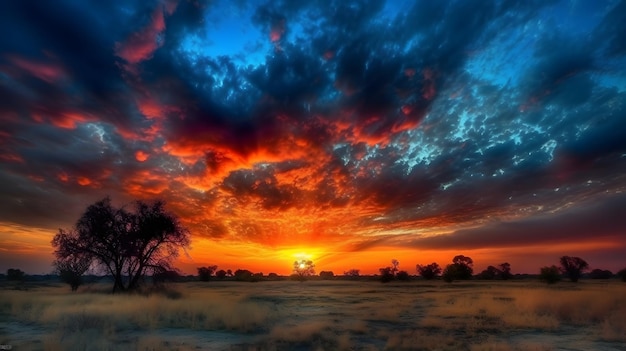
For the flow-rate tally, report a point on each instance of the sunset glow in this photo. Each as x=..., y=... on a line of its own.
x=346, y=133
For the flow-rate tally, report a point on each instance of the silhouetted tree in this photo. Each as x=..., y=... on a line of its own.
x=352, y=273
x=273, y=276
x=386, y=274
x=550, y=274
x=573, y=267
x=600, y=274
x=403, y=276
x=394, y=266
x=449, y=273
x=429, y=271
x=327, y=275
x=229, y=273
x=505, y=271
x=243, y=275
x=15, y=274
x=221, y=274
x=464, y=266
x=127, y=244
x=460, y=269
x=622, y=274
x=205, y=273
x=71, y=269
x=490, y=273
x=303, y=269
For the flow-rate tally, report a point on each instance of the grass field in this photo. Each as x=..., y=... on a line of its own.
x=319, y=315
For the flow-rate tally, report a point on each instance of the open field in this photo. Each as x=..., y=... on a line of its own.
x=324, y=315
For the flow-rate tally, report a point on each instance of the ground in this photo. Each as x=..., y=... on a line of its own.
x=318, y=315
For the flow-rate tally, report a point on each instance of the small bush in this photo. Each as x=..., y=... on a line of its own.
x=600, y=274
x=403, y=276
x=327, y=275
x=550, y=274
x=15, y=274
x=386, y=274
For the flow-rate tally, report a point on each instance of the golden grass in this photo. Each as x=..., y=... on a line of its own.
x=338, y=315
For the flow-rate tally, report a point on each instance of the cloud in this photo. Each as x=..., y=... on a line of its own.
x=596, y=222
x=335, y=121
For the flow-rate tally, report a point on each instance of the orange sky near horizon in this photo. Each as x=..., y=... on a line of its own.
x=30, y=250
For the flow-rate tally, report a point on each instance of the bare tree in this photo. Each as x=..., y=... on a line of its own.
x=71, y=269
x=127, y=244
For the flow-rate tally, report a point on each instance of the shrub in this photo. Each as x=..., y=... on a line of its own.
x=273, y=276
x=386, y=274
x=15, y=274
x=352, y=273
x=600, y=274
x=449, y=273
x=221, y=274
x=550, y=274
x=490, y=273
x=243, y=275
x=205, y=273
x=403, y=276
x=327, y=275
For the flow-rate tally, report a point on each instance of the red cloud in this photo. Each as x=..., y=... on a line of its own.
x=45, y=71
x=84, y=181
x=277, y=31
x=141, y=156
x=141, y=45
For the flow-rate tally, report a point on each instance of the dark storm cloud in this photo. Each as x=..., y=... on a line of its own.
x=260, y=186
x=352, y=103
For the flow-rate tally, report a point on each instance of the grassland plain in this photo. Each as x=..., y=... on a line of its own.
x=319, y=315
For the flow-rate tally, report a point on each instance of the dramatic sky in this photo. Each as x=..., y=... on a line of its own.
x=348, y=132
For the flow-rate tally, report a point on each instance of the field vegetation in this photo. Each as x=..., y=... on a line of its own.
x=318, y=315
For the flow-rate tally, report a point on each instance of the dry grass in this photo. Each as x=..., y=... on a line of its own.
x=501, y=316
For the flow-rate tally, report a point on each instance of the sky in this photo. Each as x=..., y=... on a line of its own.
x=346, y=132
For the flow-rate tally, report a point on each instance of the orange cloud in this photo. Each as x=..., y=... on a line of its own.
x=141, y=156
x=84, y=181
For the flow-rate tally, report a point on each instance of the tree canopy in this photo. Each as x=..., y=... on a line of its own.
x=429, y=271
x=573, y=267
x=303, y=269
x=126, y=243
